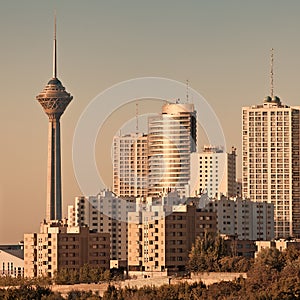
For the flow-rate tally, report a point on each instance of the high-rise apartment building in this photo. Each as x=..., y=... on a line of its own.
x=213, y=172
x=130, y=165
x=271, y=161
x=171, y=140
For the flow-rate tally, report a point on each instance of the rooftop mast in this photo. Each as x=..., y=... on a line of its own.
x=137, y=116
x=272, y=73
x=54, y=50
x=187, y=91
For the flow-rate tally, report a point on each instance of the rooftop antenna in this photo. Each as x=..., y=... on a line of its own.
x=54, y=49
x=187, y=91
x=272, y=73
x=137, y=116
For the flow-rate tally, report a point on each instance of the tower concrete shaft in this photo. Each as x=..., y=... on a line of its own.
x=54, y=100
x=54, y=203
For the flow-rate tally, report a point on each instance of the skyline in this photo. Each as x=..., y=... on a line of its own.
x=222, y=49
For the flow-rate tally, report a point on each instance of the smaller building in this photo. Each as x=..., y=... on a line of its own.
x=59, y=246
x=12, y=260
x=161, y=234
x=248, y=220
x=130, y=165
x=213, y=172
x=281, y=245
x=236, y=247
x=107, y=213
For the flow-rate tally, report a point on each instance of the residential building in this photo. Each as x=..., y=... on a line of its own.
x=244, y=219
x=130, y=165
x=271, y=164
x=59, y=246
x=280, y=244
x=160, y=237
x=213, y=172
x=238, y=186
x=12, y=260
x=237, y=247
x=104, y=212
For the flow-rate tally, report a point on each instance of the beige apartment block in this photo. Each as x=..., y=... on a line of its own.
x=161, y=236
x=104, y=212
x=130, y=165
x=213, y=172
x=280, y=244
x=242, y=218
x=271, y=161
x=59, y=246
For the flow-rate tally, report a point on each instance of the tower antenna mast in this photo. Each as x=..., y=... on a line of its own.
x=187, y=91
x=137, y=116
x=272, y=73
x=54, y=49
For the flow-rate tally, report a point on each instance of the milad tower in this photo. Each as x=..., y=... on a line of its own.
x=54, y=100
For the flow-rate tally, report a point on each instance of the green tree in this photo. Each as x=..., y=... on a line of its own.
x=27, y=292
x=271, y=257
x=235, y=264
x=291, y=254
x=111, y=293
x=84, y=274
x=206, y=253
x=62, y=277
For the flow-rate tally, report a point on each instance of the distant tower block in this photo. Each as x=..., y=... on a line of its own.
x=54, y=100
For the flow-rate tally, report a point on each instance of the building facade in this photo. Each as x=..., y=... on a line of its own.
x=241, y=218
x=213, y=172
x=239, y=189
x=12, y=260
x=271, y=164
x=280, y=244
x=130, y=165
x=171, y=140
x=104, y=213
x=237, y=247
x=59, y=246
x=160, y=237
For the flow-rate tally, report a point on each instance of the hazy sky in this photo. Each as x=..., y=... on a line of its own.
x=222, y=47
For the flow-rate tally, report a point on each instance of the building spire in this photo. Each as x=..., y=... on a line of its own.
x=187, y=91
x=54, y=49
x=272, y=73
x=137, y=116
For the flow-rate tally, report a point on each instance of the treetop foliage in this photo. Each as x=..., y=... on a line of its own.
x=273, y=275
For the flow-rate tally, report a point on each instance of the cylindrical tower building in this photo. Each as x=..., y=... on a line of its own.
x=172, y=138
